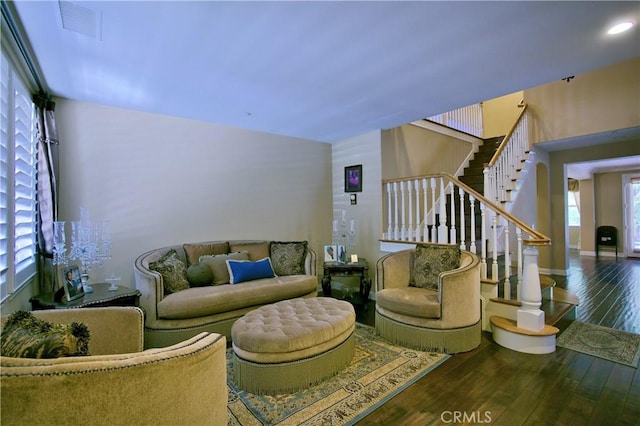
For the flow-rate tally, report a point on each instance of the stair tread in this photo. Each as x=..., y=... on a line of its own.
x=554, y=310
x=512, y=326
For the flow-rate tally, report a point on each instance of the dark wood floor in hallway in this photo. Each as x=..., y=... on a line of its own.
x=494, y=385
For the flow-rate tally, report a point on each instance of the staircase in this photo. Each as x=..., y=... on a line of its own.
x=473, y=176
x=525, y=311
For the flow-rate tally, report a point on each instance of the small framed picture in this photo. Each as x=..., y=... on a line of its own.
x=353, y=178
x=72, y=283
x=331, y=253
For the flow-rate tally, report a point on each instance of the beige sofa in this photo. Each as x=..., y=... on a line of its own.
x=214, y=308
x=445, y=318
x=119, y=383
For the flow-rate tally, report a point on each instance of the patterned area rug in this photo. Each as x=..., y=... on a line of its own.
x=377, y=372
x=608, y=343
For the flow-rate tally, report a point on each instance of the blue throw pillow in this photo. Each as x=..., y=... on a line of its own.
x=246, y=270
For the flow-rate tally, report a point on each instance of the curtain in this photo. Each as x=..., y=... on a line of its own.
x=48, y=168
x=574, y=191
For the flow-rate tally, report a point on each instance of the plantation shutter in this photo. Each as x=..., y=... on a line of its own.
x=17, y=184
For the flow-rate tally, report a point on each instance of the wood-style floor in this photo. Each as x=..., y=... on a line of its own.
x=497, y=386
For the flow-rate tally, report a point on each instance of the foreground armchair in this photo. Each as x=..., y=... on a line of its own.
x=119, y=383
x=422, y=304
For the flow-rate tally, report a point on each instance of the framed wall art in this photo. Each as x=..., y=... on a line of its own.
x=353, y=178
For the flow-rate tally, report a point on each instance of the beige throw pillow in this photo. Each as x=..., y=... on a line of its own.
x=218, y=265
x=194, y=251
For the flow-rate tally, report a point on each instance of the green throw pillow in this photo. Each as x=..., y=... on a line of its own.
x=173, y=271
x=199, y=275
x=429, y=261
x=288, y=258
x=25, y=336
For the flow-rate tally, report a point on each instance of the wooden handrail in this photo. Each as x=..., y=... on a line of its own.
x=539, y=238
x=503, y=144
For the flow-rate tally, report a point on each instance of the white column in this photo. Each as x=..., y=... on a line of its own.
x=530, y=317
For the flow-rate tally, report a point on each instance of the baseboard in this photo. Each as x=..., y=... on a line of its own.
x=602, y=253
x=550, y=271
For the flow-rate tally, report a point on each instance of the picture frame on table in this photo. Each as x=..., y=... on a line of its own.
x=353, y=178
x=330, y=253
x=71, y=282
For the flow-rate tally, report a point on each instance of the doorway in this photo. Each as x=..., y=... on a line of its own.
x=631, y=203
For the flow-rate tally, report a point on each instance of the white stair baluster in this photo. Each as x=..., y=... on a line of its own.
x=396, y=229
x=389, y=215
x=472, y=208
x=425, y=212
x=463, y=243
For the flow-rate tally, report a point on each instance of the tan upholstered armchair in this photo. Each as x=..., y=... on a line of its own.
x=119, y=383
x=444, y=318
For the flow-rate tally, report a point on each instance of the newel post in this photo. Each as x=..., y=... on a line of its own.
x=530, y=316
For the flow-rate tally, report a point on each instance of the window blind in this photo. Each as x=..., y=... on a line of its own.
x=17, y=183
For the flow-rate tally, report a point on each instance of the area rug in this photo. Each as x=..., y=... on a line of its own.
x=378, y=371
x=603, y=342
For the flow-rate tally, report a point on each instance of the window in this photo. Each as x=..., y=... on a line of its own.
x=574, y=211
x=17, y=181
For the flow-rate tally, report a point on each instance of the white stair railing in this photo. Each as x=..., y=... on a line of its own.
x=503, y=170
x=435, y=215
x=466, y=119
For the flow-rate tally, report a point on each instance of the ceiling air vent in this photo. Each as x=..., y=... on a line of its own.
x=81, y=19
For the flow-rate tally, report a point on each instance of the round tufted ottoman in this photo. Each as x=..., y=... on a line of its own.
x=289, y=345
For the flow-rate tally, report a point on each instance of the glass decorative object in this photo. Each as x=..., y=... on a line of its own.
x=90, y=244
x=344, y=235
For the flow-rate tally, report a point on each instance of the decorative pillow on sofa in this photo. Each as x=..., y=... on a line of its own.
x=430, y=260
x=25, y=336
x=173, y=271
x=218, y=265
x=247, y=270
x=199, y=275
x=194, y=251
x=288, y=257
x=257, y=249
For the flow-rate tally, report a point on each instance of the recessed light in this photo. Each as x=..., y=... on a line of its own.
x=621, y=27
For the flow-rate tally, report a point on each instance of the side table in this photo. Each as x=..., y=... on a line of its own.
x=359, y=269
x=100, y=297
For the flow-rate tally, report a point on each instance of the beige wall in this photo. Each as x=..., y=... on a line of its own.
x=500, y=114
x=587, y=217
x=412, y=151
x=608, y=204
x=163, y=180
x=594, y=102
x=364, y=150
x=558, y=185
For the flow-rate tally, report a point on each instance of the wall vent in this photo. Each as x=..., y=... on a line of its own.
x=81, y=19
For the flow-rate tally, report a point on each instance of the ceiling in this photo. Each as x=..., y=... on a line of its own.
x=323, y=70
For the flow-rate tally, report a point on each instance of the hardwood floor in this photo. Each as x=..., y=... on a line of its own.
x=494, y=385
